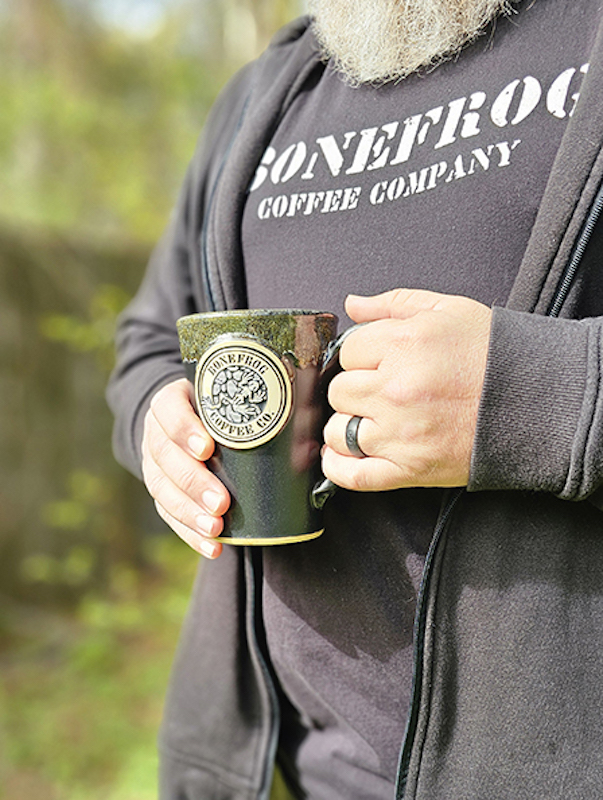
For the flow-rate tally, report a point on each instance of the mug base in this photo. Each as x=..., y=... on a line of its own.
x=270, y=540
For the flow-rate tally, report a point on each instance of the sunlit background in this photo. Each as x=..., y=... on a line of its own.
x=101, y=102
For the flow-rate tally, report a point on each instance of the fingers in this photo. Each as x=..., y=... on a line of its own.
x=173, y=410
x=366, y=347
x=205, y=547
x=191, y=520
x=187, y=495
x=184, y=487
x=351, y=392
x=389, y=463
x=397, y=303
x=361, y=474
x=177, y=463
x=367, y=435
x=376, y=441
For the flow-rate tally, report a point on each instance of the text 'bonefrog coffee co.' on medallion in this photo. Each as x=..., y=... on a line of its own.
x=243, y=393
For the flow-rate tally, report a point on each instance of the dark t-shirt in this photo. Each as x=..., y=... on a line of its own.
x=430, y=183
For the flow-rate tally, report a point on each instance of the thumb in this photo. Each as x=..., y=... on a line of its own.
x=395, y=304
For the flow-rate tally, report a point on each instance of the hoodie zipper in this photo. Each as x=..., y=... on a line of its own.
x=253, y=575
x=561, y=294
x=574, y=263
x=419, y=645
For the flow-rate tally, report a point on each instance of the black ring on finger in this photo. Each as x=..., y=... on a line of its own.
x=351, y=437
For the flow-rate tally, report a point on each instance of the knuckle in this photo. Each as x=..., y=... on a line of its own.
x=410, y=387
x=209, y=445
x=334, y=392
x=159, y=447
x=401, y=340
x=188, y=480
x=181, y=511
x=399, y=392
x=396, y=299
x=427, y=333
x=408, y=334
x=348, y=350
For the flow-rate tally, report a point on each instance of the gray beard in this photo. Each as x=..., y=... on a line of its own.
x=374, y=41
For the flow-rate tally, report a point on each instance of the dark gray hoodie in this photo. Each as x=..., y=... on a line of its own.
x=509, y=631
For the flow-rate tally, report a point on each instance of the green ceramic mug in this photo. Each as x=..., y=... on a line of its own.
x=259, y=379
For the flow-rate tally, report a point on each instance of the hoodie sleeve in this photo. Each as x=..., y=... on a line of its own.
x=148, y=353
x=540, y=422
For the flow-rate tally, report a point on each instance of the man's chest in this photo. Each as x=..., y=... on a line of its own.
x=432, y=183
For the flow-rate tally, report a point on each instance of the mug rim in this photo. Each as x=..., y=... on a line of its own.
x=257, y=312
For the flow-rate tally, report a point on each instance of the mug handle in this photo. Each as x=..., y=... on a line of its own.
x=325, y=489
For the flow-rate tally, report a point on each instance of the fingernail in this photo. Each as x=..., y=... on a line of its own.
x=207, y=525
x=208, y=549
x=211, y=501
x=196, y=444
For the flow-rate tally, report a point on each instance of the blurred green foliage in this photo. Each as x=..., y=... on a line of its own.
x=98, y=122
x=102, y=102
x=81, y=695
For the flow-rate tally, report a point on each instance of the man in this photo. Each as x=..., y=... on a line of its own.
x=429, y=160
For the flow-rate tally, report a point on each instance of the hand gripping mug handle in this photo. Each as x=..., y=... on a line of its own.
x=325, y=489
